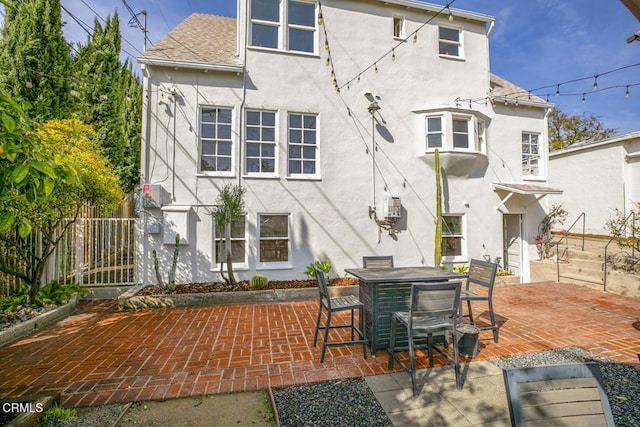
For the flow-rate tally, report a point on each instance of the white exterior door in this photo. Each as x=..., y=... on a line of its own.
x=512, y=242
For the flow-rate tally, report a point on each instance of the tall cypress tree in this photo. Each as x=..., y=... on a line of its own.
x=35, y=61
x=131, y=121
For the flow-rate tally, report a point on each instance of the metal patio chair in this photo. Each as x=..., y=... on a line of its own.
x=377, y=261
x=558, y=395
x=433, y=309
x=481, y=273
x=333, y=305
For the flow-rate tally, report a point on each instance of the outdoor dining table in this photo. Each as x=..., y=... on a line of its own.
x=386, y=290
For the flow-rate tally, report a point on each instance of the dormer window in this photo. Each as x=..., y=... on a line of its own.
x=288, y=25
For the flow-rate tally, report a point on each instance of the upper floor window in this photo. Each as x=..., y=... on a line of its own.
x=449, y=131
x=530, y=154
x=398, y=27
x=450, y=42
x=215, y=139
x=260, y=155
x=453, y=238
x=303, y=144
x=284, y=24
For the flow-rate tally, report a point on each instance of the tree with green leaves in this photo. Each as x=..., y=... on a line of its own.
x=566, y=130
x=35, y=61
x=131, y=121
x=72, y=144
x=229, y=209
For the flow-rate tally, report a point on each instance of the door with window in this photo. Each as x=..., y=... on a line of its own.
x=512, y=243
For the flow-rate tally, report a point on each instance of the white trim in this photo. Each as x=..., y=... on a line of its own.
x=192, y=65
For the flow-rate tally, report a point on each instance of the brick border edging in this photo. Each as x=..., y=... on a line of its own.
x=130, y=301
x=32, y=325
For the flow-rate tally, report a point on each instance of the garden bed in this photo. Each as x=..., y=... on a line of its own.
x=195, y=294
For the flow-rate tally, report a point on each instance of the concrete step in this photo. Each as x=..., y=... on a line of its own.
x=591, y=264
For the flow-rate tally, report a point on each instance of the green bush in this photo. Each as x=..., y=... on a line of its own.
x=56, y=293
x=460, y=268
x=324, y=266
x=259, y=281
x=56, y=416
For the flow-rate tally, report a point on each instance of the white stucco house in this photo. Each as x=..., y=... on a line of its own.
x=597, y=178
x=328, y=114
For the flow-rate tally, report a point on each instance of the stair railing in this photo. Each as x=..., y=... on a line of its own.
x=565, y=237
x=624, y=226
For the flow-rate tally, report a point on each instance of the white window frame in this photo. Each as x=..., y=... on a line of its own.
x=459, y=43
x=214, y=250
x=261, y=142
x=528, y=156
x=302, y=145
x=267, y=265
x=476, y=134
x=216, y=140
x=398, y=27
x=283, y=26
x=462, y=236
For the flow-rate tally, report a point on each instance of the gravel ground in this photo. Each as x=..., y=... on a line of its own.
x=621, y=382
x=352, y=403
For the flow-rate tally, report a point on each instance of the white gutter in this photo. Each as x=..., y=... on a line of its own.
x=430, y=7
x=172, y=63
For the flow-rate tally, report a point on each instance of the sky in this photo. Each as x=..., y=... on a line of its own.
x=534, y=43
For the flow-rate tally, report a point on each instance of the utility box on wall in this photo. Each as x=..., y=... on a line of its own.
x=392, y=207
x=176, y=221
x=152, y=196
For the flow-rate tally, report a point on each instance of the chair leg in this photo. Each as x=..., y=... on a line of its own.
x=363, y=331
x=470, y=313
x=456, y=361
x=326, y=336
x=353, y=324
x=430, y=349
x=412, y=364
x=392, y=342
x=494, y=328
x=315, y=336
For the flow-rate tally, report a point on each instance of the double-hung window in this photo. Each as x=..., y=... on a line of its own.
x=274, y=238
x=238, y=244
x=530, y=154
x=261, y=142
x=216, y=145
x=450, y=42
x=453, y=239
x=461, y=133
x=284, y=24
x=303, y=145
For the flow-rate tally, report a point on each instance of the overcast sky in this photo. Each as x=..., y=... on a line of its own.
x=534, y=43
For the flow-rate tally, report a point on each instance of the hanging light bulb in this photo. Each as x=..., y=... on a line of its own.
x=375, y=67
x=583, y=100
x=333, y=74
x=558, y=90
x=328, y=62
x=595, y=82
x=358, y=78
x=626, y=94
x=326, y=44
x=393, y=54
x=450, y=14
x=415, y=38
x=320, y=19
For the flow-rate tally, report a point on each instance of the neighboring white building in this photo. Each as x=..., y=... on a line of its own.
x=597, y=178
x=329, y=115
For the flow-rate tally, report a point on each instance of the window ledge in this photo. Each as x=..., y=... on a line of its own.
x=215, y=175
x=304, y=178
x=261, y=176
x=458, y=163
x=274, y=266
x=534, y=178
x=286, y=52
x=454, y=58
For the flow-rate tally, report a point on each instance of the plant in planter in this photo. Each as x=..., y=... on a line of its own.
x=171, y=277
x=324, y=266
x=543, y=240
x=258, y=281
x=460, y=268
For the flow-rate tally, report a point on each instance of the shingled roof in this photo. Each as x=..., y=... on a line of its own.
x=505, y=89
x=201, y=38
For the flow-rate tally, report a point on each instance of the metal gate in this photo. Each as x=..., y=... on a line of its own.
x=98, y=251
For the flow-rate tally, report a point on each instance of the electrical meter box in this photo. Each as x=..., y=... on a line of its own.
x=152, y=196
x=392, y=207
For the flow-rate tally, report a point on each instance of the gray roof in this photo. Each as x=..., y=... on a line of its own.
x=201, y=38
x=505, y=89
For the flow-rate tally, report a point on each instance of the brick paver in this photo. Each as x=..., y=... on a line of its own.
x=101, y=355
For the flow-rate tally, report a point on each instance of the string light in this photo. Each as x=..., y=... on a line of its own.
x=320, y=19
x=626, y=94
x=595, y=82
x=558, y=90
x=415, y=38
x=583, y=100
x=393, y=55
x=326, y=44
x=450, y=14
x=375, y=67
x=328, y=62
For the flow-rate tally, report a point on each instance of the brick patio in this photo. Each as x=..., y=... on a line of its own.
x=101, y=355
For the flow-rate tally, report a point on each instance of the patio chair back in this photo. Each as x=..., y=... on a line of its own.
x=569, y=394
x=377, y=261
x=438, y=300
x=481, y=273
x=323, y=288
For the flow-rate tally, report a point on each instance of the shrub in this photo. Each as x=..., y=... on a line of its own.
x=504, y=272
x=57, y=293
x=57, y=416
x=324, y=266
x=259, y=281
x=460, y=268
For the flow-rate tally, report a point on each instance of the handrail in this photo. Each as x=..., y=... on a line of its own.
x=565, y=235
x=633, y=236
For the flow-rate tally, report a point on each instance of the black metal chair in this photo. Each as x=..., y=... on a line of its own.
x=481, y=273
x=333, y=305
x=377, y=261
x=568, y=395
x=433, y=309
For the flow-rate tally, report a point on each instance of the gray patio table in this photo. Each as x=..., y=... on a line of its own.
x=385, y=290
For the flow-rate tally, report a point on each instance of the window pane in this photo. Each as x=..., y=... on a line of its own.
x=460, y=126
x=309, y=137
x=266, y=10
x=274, y=226
x=268, y=119
x=310, y=122
x=295, y=166
x=451, y=225
x=253, y=117
x=253, y=150
x=309, y=153
x=295, y=152
x=237, y=229
x=264, y=36
x=253, y=134
x=224, y=164
x=208, y=148
x=295, y=135
x=295, y=120
x=309, y=167
x=224, y=115
x=274, y=250
x=460, y=141
x=449, y=49
x=268, y=165
x=434, y=141
x=253, y=165
x=450, y=34
x=451, y=246
x=434, y=124
x=300, y=40
x=224, y=148
x=208, y=130
x=268, y=134
x=302, y=13
x=224, y=131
